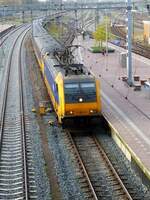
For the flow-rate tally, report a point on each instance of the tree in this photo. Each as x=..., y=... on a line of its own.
x=100, y=34
x=102, y=31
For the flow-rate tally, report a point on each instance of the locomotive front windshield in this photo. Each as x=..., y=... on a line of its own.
x=80, y=92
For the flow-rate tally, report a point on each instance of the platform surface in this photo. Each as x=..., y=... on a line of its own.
x=4, y=26
x=127, y=110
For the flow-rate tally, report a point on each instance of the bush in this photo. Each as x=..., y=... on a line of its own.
x=100, y=49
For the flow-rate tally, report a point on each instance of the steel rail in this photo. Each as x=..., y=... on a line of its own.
x=6, y=90
x=7, y=34
x=112, y=168
x=23, y=126
x=4, y=105
x=106, y=160
x=82, y=166
x=138, y=48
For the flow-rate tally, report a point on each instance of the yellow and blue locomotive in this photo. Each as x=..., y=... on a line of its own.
x=74, y=92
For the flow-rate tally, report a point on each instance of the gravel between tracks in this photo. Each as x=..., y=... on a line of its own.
x=65, y=168
x=4, y=50
x=123, y=166
x=42, y=184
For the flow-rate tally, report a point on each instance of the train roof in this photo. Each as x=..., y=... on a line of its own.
x=72, y=71
x=80, y=78
x=46, y=43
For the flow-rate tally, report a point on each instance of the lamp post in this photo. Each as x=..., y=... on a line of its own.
x=106, y=27
x=129, y=43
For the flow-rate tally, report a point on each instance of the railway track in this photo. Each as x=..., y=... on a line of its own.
x=137, y=47
x=16, y=169
x=6, y=35
x=98, y=179
x=70, y=33
x=67, y=41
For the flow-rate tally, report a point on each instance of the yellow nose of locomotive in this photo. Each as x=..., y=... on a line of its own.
x=84, y=109
x=81, y=98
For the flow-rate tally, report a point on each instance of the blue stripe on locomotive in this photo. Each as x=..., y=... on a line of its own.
x=51, y=82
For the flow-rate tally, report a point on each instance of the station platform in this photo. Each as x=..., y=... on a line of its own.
x=3, y=27
x=126, y=109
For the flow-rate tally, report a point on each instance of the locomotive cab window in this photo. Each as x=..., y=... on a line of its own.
x=87, y=85
x=75, y=92
x=71, y=86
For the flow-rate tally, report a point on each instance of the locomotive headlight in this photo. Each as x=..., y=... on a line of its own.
x=80, y=100
x=93, y=111
x=69, y=112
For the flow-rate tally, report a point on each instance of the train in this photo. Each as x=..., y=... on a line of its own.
x=73, y=90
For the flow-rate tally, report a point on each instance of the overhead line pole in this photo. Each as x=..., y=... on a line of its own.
x=129, y=43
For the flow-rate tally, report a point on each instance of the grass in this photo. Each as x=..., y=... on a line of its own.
x=97, y=49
